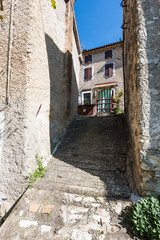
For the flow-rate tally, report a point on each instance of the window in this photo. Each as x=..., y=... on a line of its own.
x=108, y=54
x=109, y=69
x=88, y=59
x=86, y=97
x=88, y=73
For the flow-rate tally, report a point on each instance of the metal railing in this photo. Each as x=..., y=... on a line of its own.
x=106, y=105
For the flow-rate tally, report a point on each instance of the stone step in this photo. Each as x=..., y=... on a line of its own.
x=90, y=159
x=88, y=191
x=101, y=172
x=90, y=152
x=79, y=180
x=81, y=164
x=85, y=189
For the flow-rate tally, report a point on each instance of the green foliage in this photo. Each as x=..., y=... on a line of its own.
x=120, y=93
x=118, y=98
x=87, y=103
x=1, y=9
x=39, y=172
x=100, y=232
x=1, y=5
x=53, y=4
x=117, y=110
x=145, y=218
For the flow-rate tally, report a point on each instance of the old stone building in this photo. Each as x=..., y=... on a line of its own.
x=101, y=77
x=40, y=59
x=141, y=32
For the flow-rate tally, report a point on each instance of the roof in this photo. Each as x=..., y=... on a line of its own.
x=102, y=47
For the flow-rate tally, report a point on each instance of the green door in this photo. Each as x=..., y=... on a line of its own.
x=104, y=102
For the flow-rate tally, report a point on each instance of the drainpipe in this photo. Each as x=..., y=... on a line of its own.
x=9, y=61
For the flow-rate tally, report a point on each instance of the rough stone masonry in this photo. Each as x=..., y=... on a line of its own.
x=39, y=71
x=141, y=34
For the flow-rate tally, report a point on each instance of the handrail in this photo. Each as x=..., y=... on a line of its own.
x=104, y=99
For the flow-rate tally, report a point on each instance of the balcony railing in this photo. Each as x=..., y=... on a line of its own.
x=106, y=105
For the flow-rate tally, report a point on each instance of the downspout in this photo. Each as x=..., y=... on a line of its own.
x=9, y=60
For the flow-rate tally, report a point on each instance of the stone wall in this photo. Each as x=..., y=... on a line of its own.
x=142, y=90
x=36, y=42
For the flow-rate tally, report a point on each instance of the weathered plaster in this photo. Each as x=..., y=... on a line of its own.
x=40, y=86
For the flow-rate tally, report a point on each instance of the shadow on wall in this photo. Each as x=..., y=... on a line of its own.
x=63, y=91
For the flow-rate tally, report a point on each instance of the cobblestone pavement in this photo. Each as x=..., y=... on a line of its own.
x=85, y=191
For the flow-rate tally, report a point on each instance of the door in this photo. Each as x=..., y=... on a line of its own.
x=104, y=101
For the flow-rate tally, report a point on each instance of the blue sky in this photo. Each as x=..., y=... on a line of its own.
x=99, y=22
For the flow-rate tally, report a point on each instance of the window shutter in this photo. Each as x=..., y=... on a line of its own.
x=87, y=73
x=108, y=54
x=109, y=69
x=88, y=59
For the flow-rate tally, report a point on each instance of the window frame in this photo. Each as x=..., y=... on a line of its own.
x=105, y=54
x=84, y=73
x=88, y=62
x=84, y=92
x=114, y=71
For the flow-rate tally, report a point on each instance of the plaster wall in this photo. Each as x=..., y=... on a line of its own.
x=35, y=119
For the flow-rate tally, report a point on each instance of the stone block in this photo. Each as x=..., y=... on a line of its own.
x=34, y=208
x=79, y=235
x=48, y=209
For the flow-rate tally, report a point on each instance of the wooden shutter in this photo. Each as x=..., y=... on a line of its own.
x=87, y=73
x=108, y=54
x=109, y=69
x=88, y=59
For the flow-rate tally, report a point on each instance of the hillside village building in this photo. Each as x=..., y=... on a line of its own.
x=101, y=79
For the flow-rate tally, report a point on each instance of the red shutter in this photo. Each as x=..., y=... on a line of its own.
x=109, y=69
x=108, y=54
x=87, y=73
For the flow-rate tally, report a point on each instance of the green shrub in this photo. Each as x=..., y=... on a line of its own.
x=120, y=93
x=39, y=171
x=145, y=218
x=117, y=110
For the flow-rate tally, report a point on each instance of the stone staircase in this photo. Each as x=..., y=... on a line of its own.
x=91, y=159
x=86, y=184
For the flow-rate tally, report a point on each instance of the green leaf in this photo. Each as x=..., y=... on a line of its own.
x=53, y=4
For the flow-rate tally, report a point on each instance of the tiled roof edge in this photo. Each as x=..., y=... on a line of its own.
x=101, y=47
